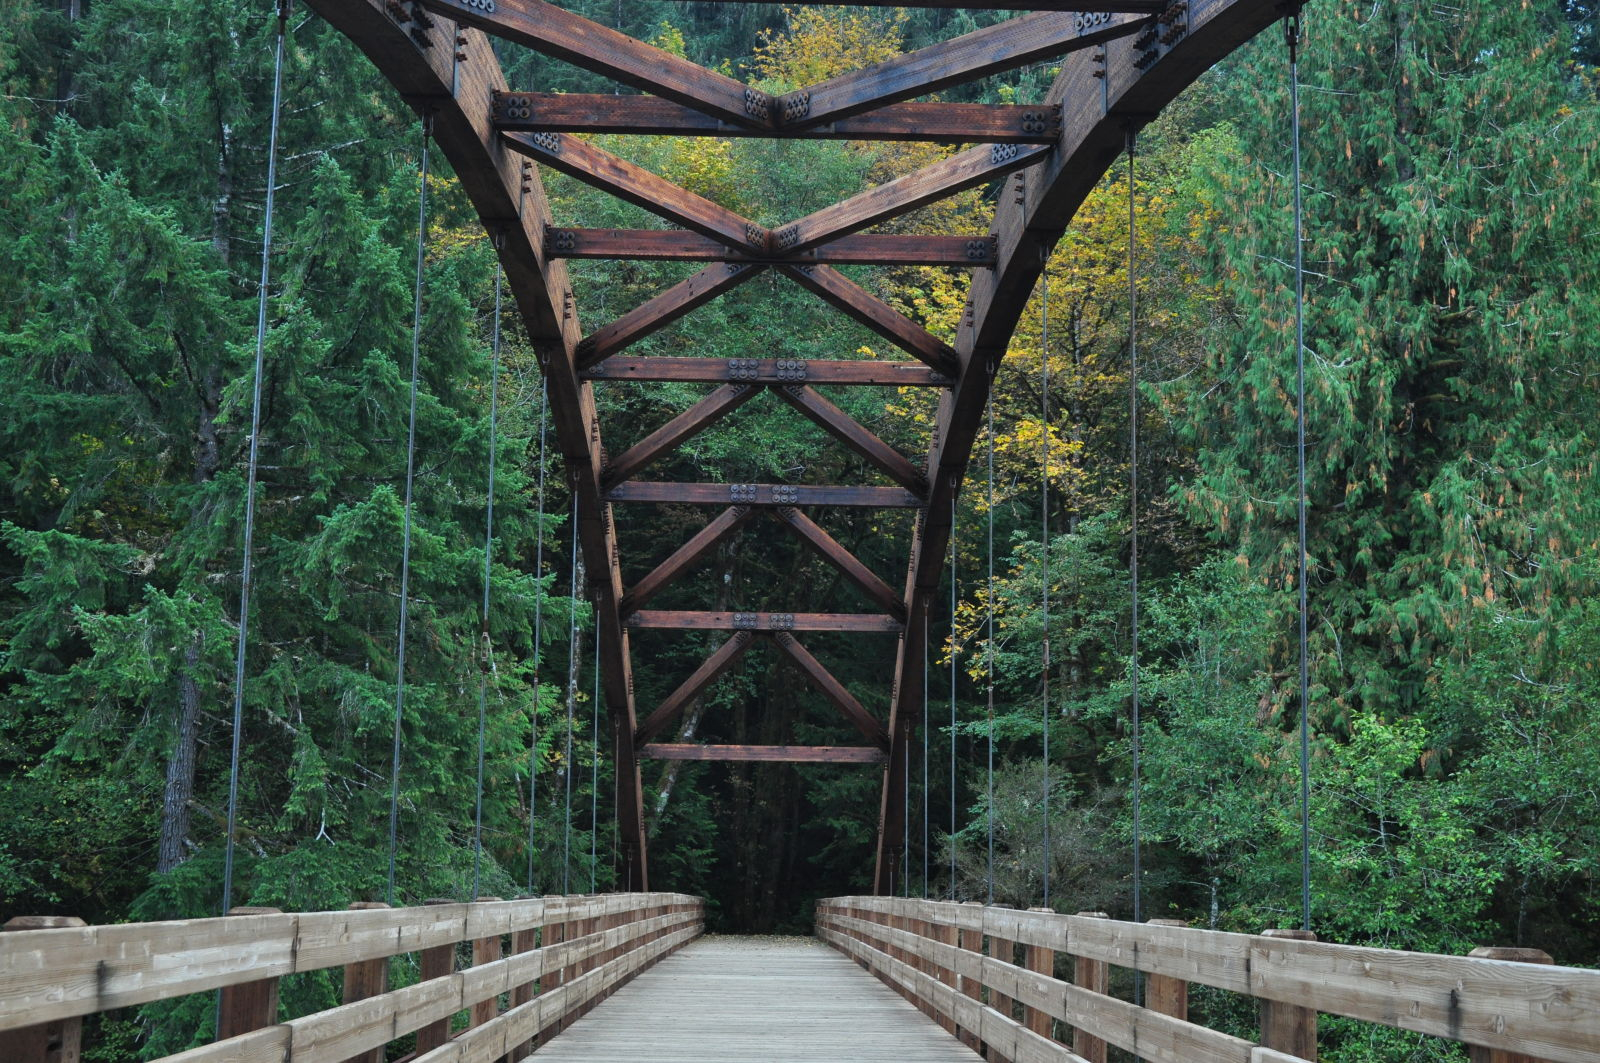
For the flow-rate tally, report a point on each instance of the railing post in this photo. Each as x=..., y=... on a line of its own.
x=1163, y=993
x=1039, y=960
x=1289, y=1028
x=1095, y=976
x=945, y=934
x=485, y=950
x=972, y=941
x=366, y=978
x=48, y=1042
x=437, y=962
x=1479, y=1053
x=524, y=940
x=249, y=1006
x=1004, y=950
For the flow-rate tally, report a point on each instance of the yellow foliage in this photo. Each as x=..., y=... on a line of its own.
x=824, y=42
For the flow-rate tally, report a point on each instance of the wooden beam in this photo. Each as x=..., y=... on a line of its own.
x=672, y=245
x=891, y=199
x=687, y=620
x=656, y=314
x=784, y=754
x=942, y=123
x=831, y=551
x=1135, y=6
x=868, y=372
x=764, y=495
x=992, y=50
x=599, y=49
x=833, y=690
x=634, y=184
x=709, y=671
x=697, y=418
x=844, y=294
x=847, y=430
x=726, y=523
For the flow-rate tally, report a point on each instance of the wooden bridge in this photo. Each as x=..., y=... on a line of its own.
x=628, y=977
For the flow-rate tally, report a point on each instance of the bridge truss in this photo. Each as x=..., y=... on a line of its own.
x=1121, y=61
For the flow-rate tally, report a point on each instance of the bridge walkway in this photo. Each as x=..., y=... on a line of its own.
x=755, y=1000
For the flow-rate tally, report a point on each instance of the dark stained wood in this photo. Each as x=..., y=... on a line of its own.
x=868, y=372
x=786, y=754
x=485, y=950
x=1163, y=993
x=992, y=50
x=1288, y=1028
x=1137, y=6
x=1095, y=976
x=831, y=551
x=634, y=184
x=725, y=524
x=846, y=429
x=891, y=199
x=687, y=295
x=697, y=620
x=437, y=962
x=548, y=29
x=1039, y=960
x=673, y=245
x=696, y=419
x=363, y=979
x=946, y=123
x=250, y=1006
x=764, y=495
x=856, y=302
x=713, y=668
x=833, y=690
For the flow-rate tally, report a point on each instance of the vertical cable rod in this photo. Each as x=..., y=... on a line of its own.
x=1292, y=35
x=927, y=722
x=989, y=654
x=952, y=695
x=538, y=638
x=246, y=568
x=572, y=695
x=1044, y=548
x=411, y=474
x=594, y=765
x=1133, y=509
x=488, y=572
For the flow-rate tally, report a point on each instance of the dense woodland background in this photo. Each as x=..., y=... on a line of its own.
x=1453, y=205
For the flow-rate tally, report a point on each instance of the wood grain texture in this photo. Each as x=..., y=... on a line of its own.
x=672, y=245
x=866, y=373
x=765, y=495
x=765, y=754
x=731, y=1000
x=697, y=620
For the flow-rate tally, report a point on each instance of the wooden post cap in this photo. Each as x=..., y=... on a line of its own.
x=1093, y=915
x=252, y=909
x=366, y=906
x=1292, y=935
x=1498, y=952
x=486, y=900
x=1168, y=922
x=42, y=922
x=440, y=900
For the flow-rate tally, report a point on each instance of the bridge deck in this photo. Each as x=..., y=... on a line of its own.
x=755, y=1000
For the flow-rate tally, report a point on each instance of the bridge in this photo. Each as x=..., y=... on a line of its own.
x=627, y=977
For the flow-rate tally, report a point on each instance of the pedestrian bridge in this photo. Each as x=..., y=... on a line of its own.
x=631, y=977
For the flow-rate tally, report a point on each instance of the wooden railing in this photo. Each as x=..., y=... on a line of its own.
x=960, y=963
x=550, y=958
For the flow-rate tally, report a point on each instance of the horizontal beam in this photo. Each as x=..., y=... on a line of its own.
x=766, y=371
x=548, y=29
x=781, y=754
x=672, y=245
x=1131, y=6
x=764, y=495
x=687, y=620
x=939, y=123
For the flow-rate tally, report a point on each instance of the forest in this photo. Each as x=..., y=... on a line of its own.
x=1452, y=254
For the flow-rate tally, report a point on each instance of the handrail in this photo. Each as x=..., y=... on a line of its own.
x=567, y=953
x=948, y=957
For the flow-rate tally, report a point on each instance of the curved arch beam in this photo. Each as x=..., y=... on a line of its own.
x=1103, y=95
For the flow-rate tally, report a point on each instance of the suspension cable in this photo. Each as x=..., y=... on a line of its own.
x=538, y=637
x=572, y=694
x=488, y=558
x=989, y=653
x=1044, y=548
x=952, y=693
x=1292, y=36
x=1133, y=508
x=250, y=475
x=927, y=721
x=594, y=763
x=411, y=473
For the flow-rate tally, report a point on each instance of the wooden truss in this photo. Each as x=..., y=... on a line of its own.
x=1120, y=62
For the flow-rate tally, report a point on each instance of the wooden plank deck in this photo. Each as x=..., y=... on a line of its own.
x=755, y=1000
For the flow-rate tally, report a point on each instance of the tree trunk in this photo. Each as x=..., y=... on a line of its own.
x=180, y=763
